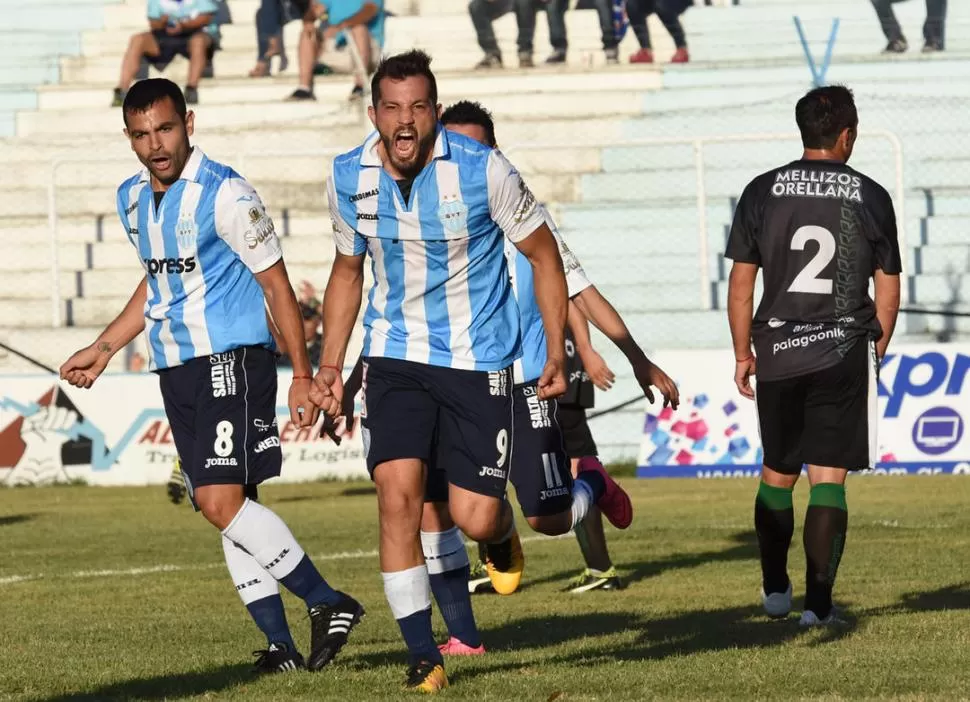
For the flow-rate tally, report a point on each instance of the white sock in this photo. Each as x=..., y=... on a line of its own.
x=444, y=551
x=250, y=578
x=407, y=591
x=582, y=501
x=264, y=535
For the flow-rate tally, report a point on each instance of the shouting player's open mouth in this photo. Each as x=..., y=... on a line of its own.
x=161, y=163
x=405, y=144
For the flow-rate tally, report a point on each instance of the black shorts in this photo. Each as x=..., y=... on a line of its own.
x=458, y=421
x=540, y=467
x=171, y=46
x=575, y=431
x=222, y=410
x=825, y=418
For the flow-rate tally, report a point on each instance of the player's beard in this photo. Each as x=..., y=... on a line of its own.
x=410, y=165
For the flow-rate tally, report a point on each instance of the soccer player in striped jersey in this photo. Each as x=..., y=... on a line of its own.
x=213, y=262
x=432, y=209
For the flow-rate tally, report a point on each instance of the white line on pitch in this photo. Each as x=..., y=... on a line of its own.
x=171, y=568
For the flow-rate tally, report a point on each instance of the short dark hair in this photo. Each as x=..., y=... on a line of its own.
x=401, y=66
x=823, y=114
x=468, y=112
x=146, y=93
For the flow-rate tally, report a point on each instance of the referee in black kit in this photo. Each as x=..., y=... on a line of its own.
x=819, y=230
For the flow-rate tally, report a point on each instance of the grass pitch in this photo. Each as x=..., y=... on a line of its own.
x=116, y=594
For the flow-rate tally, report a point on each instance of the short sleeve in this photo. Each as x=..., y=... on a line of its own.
x=742, y=243
x=242, y=222
x=348, y=241
x=576, y=280
x=885, y=236
x=154, y=10
x=511, y=204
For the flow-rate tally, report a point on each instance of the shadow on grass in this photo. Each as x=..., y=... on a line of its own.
x=358, y=491
x=163, y=687
x=697, y=631
x=745, y=548
x=10, y=519
x=293, y=498
x=944, y=599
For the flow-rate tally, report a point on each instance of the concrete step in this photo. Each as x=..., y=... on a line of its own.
x=481, y=86
x=952, y=289
x=947, y=231
x=943, y=258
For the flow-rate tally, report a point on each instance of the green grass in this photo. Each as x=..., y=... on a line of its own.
x=688, y=627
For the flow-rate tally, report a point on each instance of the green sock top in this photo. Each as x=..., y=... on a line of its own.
x=775, y=498
x=828, y=495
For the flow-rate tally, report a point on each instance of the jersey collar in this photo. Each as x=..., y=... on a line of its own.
x=371, y=158
x=189, y=172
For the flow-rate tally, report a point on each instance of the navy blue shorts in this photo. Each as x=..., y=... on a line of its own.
x=575, y=431
x=457, y=421
x=222, y=410
x=539, y=467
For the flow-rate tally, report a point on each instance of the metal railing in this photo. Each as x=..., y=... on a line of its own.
x=698, y=143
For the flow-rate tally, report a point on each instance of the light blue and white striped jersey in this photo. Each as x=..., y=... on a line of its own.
x=529, y=367
x=200, y=250
x=441, y=293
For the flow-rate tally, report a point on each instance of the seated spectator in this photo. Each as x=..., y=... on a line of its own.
x=933, y=28
x=669, y=12
x=556, y=15
x=362, y=20
x=177, y=27
x=271, y=17
x=483, y=13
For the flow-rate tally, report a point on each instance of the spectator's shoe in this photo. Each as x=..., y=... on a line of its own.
x=426, y=676
x=588, y=580
x=489, y=61
x=680, y=56
x=932, y=47
x=300, y=95
x=191, y=95
x=329, y=628
x=209, y=71
x=612, y=56
x=556, y=57
x=896, y=46
x=525, y=60
x=614, y=503
x=278, y=658
x=321, y=69
x=118, y=99
x=357, y=93
x=457, y=647
x=642, y=56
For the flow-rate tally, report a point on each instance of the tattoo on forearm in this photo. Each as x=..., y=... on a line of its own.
x=104, y=347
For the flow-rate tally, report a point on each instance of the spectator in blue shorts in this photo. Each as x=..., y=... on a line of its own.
x=362, y=21
x=176, y=28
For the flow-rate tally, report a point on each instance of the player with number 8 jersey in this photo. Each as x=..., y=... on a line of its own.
x=818, y=230
x=213, y=263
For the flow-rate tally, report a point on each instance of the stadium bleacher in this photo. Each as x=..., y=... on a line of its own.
x=611, y=149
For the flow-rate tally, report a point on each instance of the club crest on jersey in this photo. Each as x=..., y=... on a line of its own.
x=453, y=215
x=186, y=232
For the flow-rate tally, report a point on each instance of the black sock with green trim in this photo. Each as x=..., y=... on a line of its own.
x=826, y=523
x=774, y=521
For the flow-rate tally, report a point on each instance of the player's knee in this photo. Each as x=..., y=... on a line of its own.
x=549, y=525
x=399, y=511
x=481, y=523
x=217, y=511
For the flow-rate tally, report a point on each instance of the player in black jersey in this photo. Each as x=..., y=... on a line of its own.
x=819, y=230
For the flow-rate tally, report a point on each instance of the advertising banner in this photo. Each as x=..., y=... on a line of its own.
x=923, y=408
x=116, y=434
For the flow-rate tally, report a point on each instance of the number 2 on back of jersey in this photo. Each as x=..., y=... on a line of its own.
x=807, y=280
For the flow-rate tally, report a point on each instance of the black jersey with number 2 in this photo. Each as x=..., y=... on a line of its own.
x=818, y=230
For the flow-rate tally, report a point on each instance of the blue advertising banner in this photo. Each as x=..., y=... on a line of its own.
x=923, y=405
